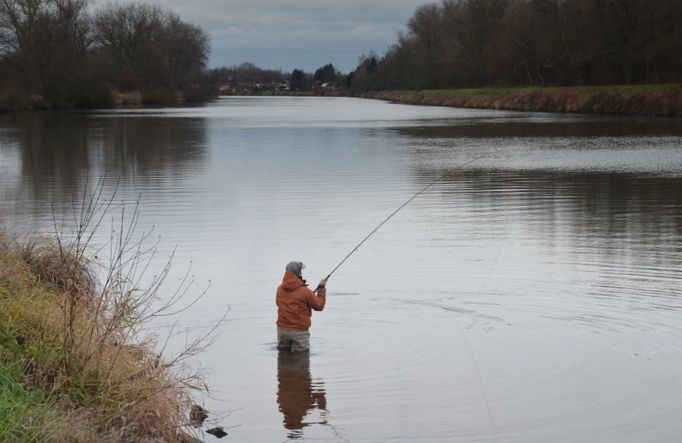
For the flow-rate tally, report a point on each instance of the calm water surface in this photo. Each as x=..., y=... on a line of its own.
x=531, y=296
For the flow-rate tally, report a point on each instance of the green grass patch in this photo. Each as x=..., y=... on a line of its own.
x=642, y=89
x=525, y=90
x=486, y=92
x=25, y=414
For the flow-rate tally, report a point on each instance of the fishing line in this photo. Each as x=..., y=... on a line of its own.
x=407, y=202
x=468, y=345
x=497, y=257
x=466, y=341
x=480, y=378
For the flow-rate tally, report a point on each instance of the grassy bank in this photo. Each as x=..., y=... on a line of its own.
x=73, y=366
x=25, y=414
x=321, y=93
x=98, y=97
x=659, y=100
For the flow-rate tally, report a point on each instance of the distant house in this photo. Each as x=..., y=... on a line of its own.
x=226, y=88
x=319, y=86
x=234, y=87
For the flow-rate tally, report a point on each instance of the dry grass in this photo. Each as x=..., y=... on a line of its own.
x=14, y=99
x=662, y=100
x=77, y=340
x=129, y=98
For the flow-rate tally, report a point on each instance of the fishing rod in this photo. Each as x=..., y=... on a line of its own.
x=407, y=202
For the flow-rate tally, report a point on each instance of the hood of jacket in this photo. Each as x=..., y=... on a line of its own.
x=291, y=282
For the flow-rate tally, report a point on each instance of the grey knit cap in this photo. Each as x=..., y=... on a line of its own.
x=296, y=267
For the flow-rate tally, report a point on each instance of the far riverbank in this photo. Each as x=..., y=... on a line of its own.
x=12, y=100
x=654, y=100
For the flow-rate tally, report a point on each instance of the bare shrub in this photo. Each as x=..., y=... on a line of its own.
x=89, y=350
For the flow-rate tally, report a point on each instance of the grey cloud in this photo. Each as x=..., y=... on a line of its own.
x=297, y=33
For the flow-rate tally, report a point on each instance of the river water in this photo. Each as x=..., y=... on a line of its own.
x=532, y=295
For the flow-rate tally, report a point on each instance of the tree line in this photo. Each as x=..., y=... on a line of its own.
x=244, y=77
x=61, y=54
x=474, y=43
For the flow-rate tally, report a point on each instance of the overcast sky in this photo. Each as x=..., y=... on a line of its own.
x=288, y=34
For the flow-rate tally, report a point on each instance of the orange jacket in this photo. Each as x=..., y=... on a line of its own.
x=295, y=302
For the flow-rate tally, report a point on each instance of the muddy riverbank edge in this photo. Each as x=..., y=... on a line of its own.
x=644, y=100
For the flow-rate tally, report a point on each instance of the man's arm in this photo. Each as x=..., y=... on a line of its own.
x=318, y=301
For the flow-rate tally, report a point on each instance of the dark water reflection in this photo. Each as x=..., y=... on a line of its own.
x=57, y=152
x=531, y=296
x=298, y=395
x=643, y=210
x=603, y=126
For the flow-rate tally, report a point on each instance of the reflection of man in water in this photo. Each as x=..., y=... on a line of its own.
x=296, y=394
x=295, y=303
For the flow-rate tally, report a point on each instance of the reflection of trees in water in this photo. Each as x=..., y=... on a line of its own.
x=580, y=127
x=58, y=149
x=639, y=210
x=52, y=147
x=297, y=393
x=134, y=145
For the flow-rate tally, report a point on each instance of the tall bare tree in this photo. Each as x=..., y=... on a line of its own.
x=45, y=43
x=147, y=48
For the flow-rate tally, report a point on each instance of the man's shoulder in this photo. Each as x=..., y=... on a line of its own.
x=302, y=291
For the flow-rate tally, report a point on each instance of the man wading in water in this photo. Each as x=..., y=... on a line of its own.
x=295, y=303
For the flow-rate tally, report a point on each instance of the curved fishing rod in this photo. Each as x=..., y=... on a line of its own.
x=395, y=212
